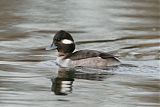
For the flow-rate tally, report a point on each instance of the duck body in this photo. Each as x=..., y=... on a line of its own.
x=65, y=45
x=87, y=58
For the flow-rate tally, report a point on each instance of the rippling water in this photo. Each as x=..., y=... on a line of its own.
x=128, y=29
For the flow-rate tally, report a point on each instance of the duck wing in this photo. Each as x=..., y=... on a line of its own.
x=83, y=54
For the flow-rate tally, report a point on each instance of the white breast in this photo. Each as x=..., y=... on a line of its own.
x=63, y=62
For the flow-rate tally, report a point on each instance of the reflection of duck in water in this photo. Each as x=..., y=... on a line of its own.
x=62, y=84
x=65, y=45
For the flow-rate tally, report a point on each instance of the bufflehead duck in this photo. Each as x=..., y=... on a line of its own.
x=65, y=46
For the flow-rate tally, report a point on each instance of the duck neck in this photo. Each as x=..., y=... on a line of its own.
x=64, y=55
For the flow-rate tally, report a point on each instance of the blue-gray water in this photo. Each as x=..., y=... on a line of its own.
x=129, y=29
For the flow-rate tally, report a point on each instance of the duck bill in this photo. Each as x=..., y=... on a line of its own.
x=51, y=47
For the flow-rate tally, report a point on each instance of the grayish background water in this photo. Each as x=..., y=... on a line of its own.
x=129, y=29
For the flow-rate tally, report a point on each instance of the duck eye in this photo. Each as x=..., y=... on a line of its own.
x=57, y=39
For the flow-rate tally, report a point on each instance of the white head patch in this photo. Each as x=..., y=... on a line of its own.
x=67, y=41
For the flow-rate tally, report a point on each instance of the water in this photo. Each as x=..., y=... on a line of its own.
x=129, y=29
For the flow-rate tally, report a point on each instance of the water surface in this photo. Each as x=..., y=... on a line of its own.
x=128, y=29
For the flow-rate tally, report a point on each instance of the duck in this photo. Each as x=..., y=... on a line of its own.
x=64, y=43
